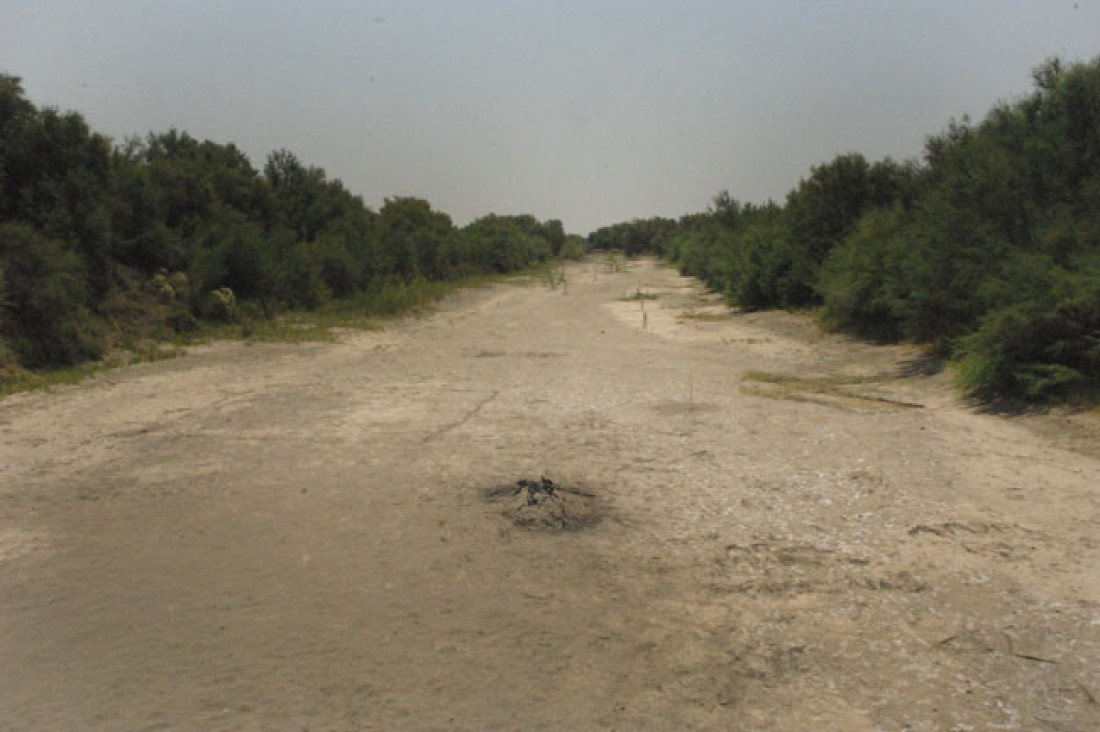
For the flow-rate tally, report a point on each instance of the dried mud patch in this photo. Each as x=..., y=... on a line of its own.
x=483, y=353
x=543, y=505
x=997, y=540
x=766, y=568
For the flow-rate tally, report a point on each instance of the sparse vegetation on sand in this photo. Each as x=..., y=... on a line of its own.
x=639, y=294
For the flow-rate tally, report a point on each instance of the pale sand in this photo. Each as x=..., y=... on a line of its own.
x=297, y=537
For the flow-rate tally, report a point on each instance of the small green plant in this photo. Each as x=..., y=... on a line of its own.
x=614, y=262
x=574, y=248
x=162, y=289
x=221, y=304
x=554, y=276
x=638, y=295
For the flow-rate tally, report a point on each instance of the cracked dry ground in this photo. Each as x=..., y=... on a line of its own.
x=798, y=532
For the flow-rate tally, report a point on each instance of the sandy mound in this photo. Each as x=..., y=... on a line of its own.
x=547, y=506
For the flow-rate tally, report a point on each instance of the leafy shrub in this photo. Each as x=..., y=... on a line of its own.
x=338, y=270
x=573, y=248
x=182, y=321
x=221, y=304
x=301, y=284
x=163, y=290
x=46, y=291
x=759, y=268
x=862, y=281
x=180, y=285
x=1045, y=346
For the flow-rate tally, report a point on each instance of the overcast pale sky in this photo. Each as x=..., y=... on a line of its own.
x=591, y=112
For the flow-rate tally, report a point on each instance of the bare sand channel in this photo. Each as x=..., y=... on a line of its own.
x=784, y=531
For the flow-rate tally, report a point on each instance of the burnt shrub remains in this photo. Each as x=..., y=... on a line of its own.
x=545, y=505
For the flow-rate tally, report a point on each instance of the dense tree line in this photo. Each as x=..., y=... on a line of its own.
x=988, y=248
x=97, y=238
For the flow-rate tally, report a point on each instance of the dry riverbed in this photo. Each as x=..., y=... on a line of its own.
x=752, y=526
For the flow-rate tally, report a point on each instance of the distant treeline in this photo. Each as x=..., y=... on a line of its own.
x=989, y=248
x=100, y=240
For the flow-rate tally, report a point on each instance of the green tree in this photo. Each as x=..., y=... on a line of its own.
x=863, y=281
x=46, y=292
x=413, y=238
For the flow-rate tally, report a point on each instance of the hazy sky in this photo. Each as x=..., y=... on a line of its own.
x=591, y=112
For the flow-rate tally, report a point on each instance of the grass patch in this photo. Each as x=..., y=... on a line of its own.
x=14, y=379
x=835, y=391
x=703, y=316
x=554, y=276
x=291, y=327
x=365, y=311
x=550, y=273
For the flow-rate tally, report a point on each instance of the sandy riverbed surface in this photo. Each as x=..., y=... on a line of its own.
x=777, y=530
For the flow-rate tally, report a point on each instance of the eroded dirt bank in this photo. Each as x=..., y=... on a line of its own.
x=795, y=532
